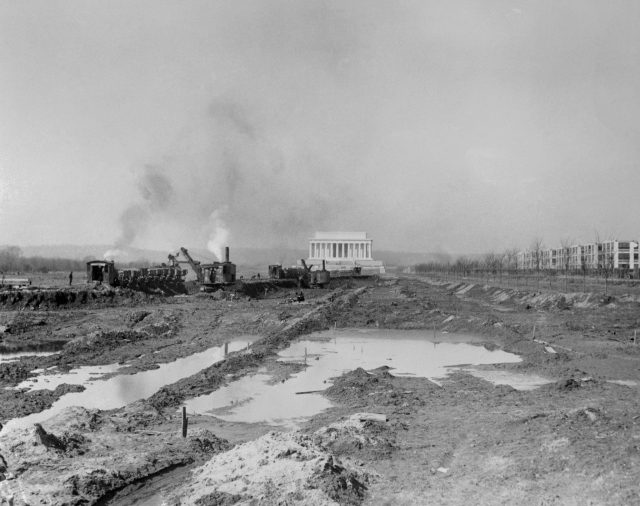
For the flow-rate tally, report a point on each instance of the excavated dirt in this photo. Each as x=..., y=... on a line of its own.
x=575, y=440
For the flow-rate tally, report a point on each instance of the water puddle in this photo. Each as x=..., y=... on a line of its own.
x=80, y=376
x=118, y=391
x=13, y=357
x=253, y=400
x=626, y=383
x=330, y=354
x=516, y=380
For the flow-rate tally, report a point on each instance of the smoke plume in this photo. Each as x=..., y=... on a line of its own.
x=230, y=177
x=273, y=155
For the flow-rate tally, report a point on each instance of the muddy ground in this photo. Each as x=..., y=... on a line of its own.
x=575, y=440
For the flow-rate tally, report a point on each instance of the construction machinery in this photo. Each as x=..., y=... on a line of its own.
x=207, y=274
x=306, y=277
x=318, y=278
x=168, y=280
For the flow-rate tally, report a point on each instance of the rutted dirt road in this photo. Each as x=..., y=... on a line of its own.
x=575, y=440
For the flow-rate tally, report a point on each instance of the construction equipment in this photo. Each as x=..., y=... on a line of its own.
x=102, y=271
x=14, y=282
x=306, y=277
x=168, y=280
x=207, y=275
x=318, y=278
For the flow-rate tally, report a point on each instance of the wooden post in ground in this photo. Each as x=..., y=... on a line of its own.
x=534, y=332
x=185, y=421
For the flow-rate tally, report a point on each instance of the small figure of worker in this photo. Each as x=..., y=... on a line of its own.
x=70, y=278
x=300, y=296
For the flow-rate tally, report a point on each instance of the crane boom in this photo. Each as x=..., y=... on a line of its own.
x=206, y=274
x=195, y=264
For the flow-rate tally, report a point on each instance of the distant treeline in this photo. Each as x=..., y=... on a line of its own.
x=490, y=262
x=12, y=260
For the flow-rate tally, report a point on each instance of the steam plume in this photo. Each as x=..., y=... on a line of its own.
x=219, y=235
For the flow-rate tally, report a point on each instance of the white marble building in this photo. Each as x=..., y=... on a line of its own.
x=342, y=251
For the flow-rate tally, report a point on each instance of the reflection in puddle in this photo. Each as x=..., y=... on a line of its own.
x=515, y=380
x=124, y=389
x=251, y=399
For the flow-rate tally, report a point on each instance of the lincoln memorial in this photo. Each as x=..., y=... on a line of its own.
x=343, y=250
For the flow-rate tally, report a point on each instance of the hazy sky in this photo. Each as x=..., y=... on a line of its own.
x=459, y=126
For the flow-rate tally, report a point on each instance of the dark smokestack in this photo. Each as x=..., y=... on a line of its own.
x=226, y=254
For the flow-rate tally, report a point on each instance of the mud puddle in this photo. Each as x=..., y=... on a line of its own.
x=516, y=380
x=118, y=391
x=12, y=357
x=625, y=383
x=48, y=379
x=254, y=399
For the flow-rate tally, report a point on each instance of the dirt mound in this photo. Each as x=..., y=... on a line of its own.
x=23, y=322
x=527, y=299
x=45, y=299
x=207, y=442
x=376, y=388
x=567, y=384
x=342, y=485
x=278, y=468
x=369, y=439
x=105, y=340
x=588, y=414
x=13, y=372
x=135, y=317
x=42, y=464
x=18, y=403
x=218, y=498
x=260, y=289
x=356, y=384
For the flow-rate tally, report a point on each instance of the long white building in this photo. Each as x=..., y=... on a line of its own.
x=611, y=255
x=342, y=251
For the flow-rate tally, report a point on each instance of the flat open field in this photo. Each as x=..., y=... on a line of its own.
x=446, y=439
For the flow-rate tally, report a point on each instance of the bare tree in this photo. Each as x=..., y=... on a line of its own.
x=608, y=264
x=606, y=259
x=462, y=266
x=510, y=260
x=566, y=243
x=584, y=266
x=491, y=263
x=510, y=256
x=537, y=247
